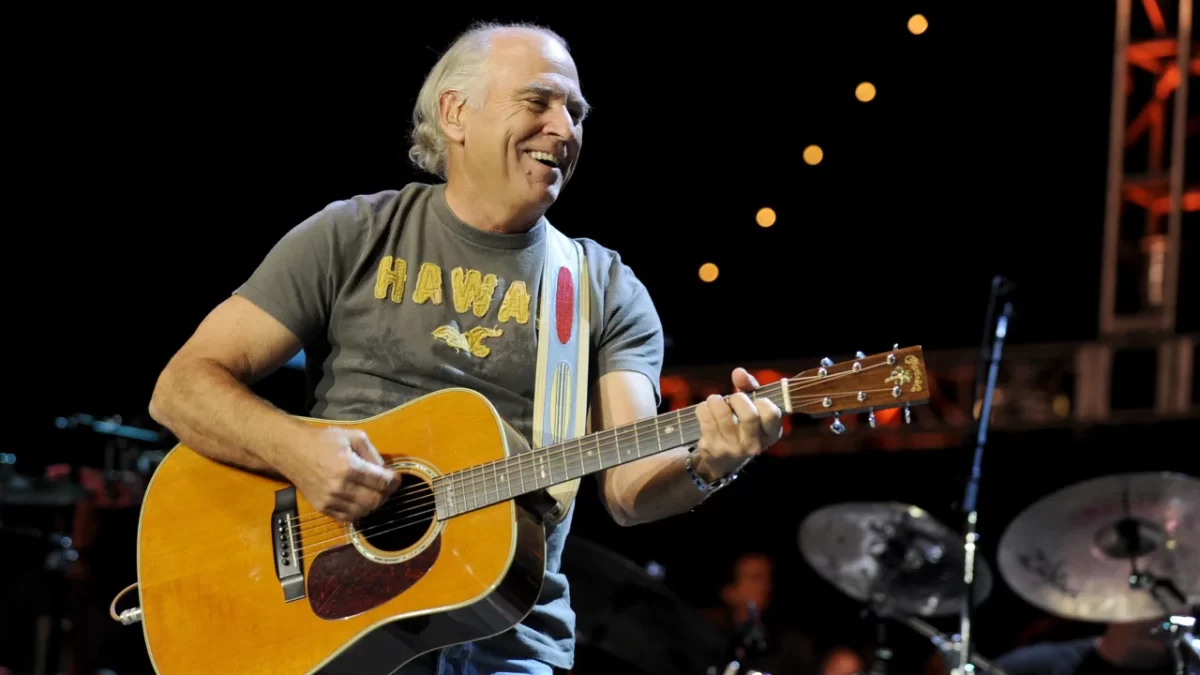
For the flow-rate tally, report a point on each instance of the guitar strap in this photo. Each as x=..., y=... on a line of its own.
x=563, y=333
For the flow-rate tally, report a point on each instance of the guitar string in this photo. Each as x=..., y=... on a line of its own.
x=467, y=482
x=419, y=496
x=413, y=519
x=470, y=478
x=405, y=522
x=469, y=489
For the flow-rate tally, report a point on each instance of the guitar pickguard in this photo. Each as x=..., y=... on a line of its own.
x=343, y=583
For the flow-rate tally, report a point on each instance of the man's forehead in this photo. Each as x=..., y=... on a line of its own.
x=530, y=57
x=552, y=85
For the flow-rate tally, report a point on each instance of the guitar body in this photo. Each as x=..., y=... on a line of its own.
x=216, y=598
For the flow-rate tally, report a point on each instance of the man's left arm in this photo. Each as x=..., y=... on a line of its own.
x=659, y=486
x=628, y=365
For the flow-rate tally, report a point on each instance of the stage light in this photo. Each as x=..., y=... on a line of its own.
x=1061, y=405
x=864, y=92
x=708, y=272
x=813, y=155
x=918, y=24
x=765, y=217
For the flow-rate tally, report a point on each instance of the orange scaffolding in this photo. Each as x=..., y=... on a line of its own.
x=1154, y=59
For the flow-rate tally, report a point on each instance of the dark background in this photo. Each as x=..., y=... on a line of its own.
x=164, y=160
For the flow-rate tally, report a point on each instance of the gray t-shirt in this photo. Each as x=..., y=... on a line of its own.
x=394, y=297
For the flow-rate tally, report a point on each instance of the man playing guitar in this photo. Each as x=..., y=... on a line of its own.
x=404, y=292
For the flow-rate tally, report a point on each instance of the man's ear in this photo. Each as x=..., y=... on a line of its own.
x=451, y=108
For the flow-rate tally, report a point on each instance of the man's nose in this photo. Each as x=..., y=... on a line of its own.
x=561, y=123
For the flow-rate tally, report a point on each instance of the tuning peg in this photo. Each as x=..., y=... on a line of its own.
x=827, y=362
x=859, y=355
x=907, y=414
x=837, y=427
x=871, y=417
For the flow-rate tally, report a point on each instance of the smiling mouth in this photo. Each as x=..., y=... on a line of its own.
x=545, y=158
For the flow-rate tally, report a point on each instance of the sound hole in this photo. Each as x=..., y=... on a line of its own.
x=403, y=519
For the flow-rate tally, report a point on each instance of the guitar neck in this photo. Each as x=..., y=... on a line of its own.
x=868, y=383
x=541, y=468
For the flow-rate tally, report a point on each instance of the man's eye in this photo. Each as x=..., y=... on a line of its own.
x=537, y=102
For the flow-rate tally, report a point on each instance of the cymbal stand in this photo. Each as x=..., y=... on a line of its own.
x=1185, y=645
x=883, y=653
x=895, y=553
x=950, y=647
x=969, y=508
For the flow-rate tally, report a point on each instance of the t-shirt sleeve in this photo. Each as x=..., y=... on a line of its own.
x=631, y=337
x=299, y=278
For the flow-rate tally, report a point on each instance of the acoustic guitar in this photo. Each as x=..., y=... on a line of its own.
x=237, y=573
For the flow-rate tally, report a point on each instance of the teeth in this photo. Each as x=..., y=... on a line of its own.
x=537, y=154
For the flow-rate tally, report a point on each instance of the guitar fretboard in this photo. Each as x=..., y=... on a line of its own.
x=504, y=479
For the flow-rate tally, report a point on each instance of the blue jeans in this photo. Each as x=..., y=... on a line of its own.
x=471, y=659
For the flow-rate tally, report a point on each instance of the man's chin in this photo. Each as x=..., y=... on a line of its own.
x=545, y=193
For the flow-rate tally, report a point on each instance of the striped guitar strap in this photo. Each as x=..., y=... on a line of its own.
x=563, y=332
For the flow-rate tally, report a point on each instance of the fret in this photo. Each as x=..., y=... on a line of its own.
x=521, y=473
x=599, y=452
x=488, y=481
x=566, y=471
x=461, y=486
x=679, y=425
x=657, y=436
x=497, y=479
x=503, y=477
x=450, y=495
x=579, y=451
x=637, y=438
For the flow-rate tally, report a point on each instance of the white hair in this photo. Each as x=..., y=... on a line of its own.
x=462, y=68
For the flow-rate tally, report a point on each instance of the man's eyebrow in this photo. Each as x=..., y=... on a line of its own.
x=552, y=91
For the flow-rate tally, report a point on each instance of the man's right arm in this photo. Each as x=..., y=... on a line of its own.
x=203, y=397
x=203, y=394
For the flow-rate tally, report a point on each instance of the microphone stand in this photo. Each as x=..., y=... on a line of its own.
x=971, y=516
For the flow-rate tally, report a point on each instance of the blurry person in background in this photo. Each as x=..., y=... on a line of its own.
x=759, y=638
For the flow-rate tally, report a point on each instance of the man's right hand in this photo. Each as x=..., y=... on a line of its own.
x=341, y=474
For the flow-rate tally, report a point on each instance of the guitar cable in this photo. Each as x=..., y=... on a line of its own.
x=129, y=616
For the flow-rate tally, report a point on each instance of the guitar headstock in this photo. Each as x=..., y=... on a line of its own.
x=891, y=379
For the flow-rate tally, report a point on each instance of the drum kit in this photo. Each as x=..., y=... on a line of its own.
x=1115, y=549
x=55, y=518
x=1120, y=548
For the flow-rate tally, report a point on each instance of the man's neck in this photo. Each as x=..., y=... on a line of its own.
x=486, y=215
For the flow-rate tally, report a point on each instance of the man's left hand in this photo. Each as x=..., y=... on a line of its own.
x=733, y=432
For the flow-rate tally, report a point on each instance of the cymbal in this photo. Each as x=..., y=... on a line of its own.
x=848, y=546
x=1066, y=555
x=624, y=612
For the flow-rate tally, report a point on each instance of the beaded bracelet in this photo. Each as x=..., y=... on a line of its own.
x=704, y=486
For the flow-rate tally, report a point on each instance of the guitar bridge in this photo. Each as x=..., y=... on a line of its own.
x=285, y=540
